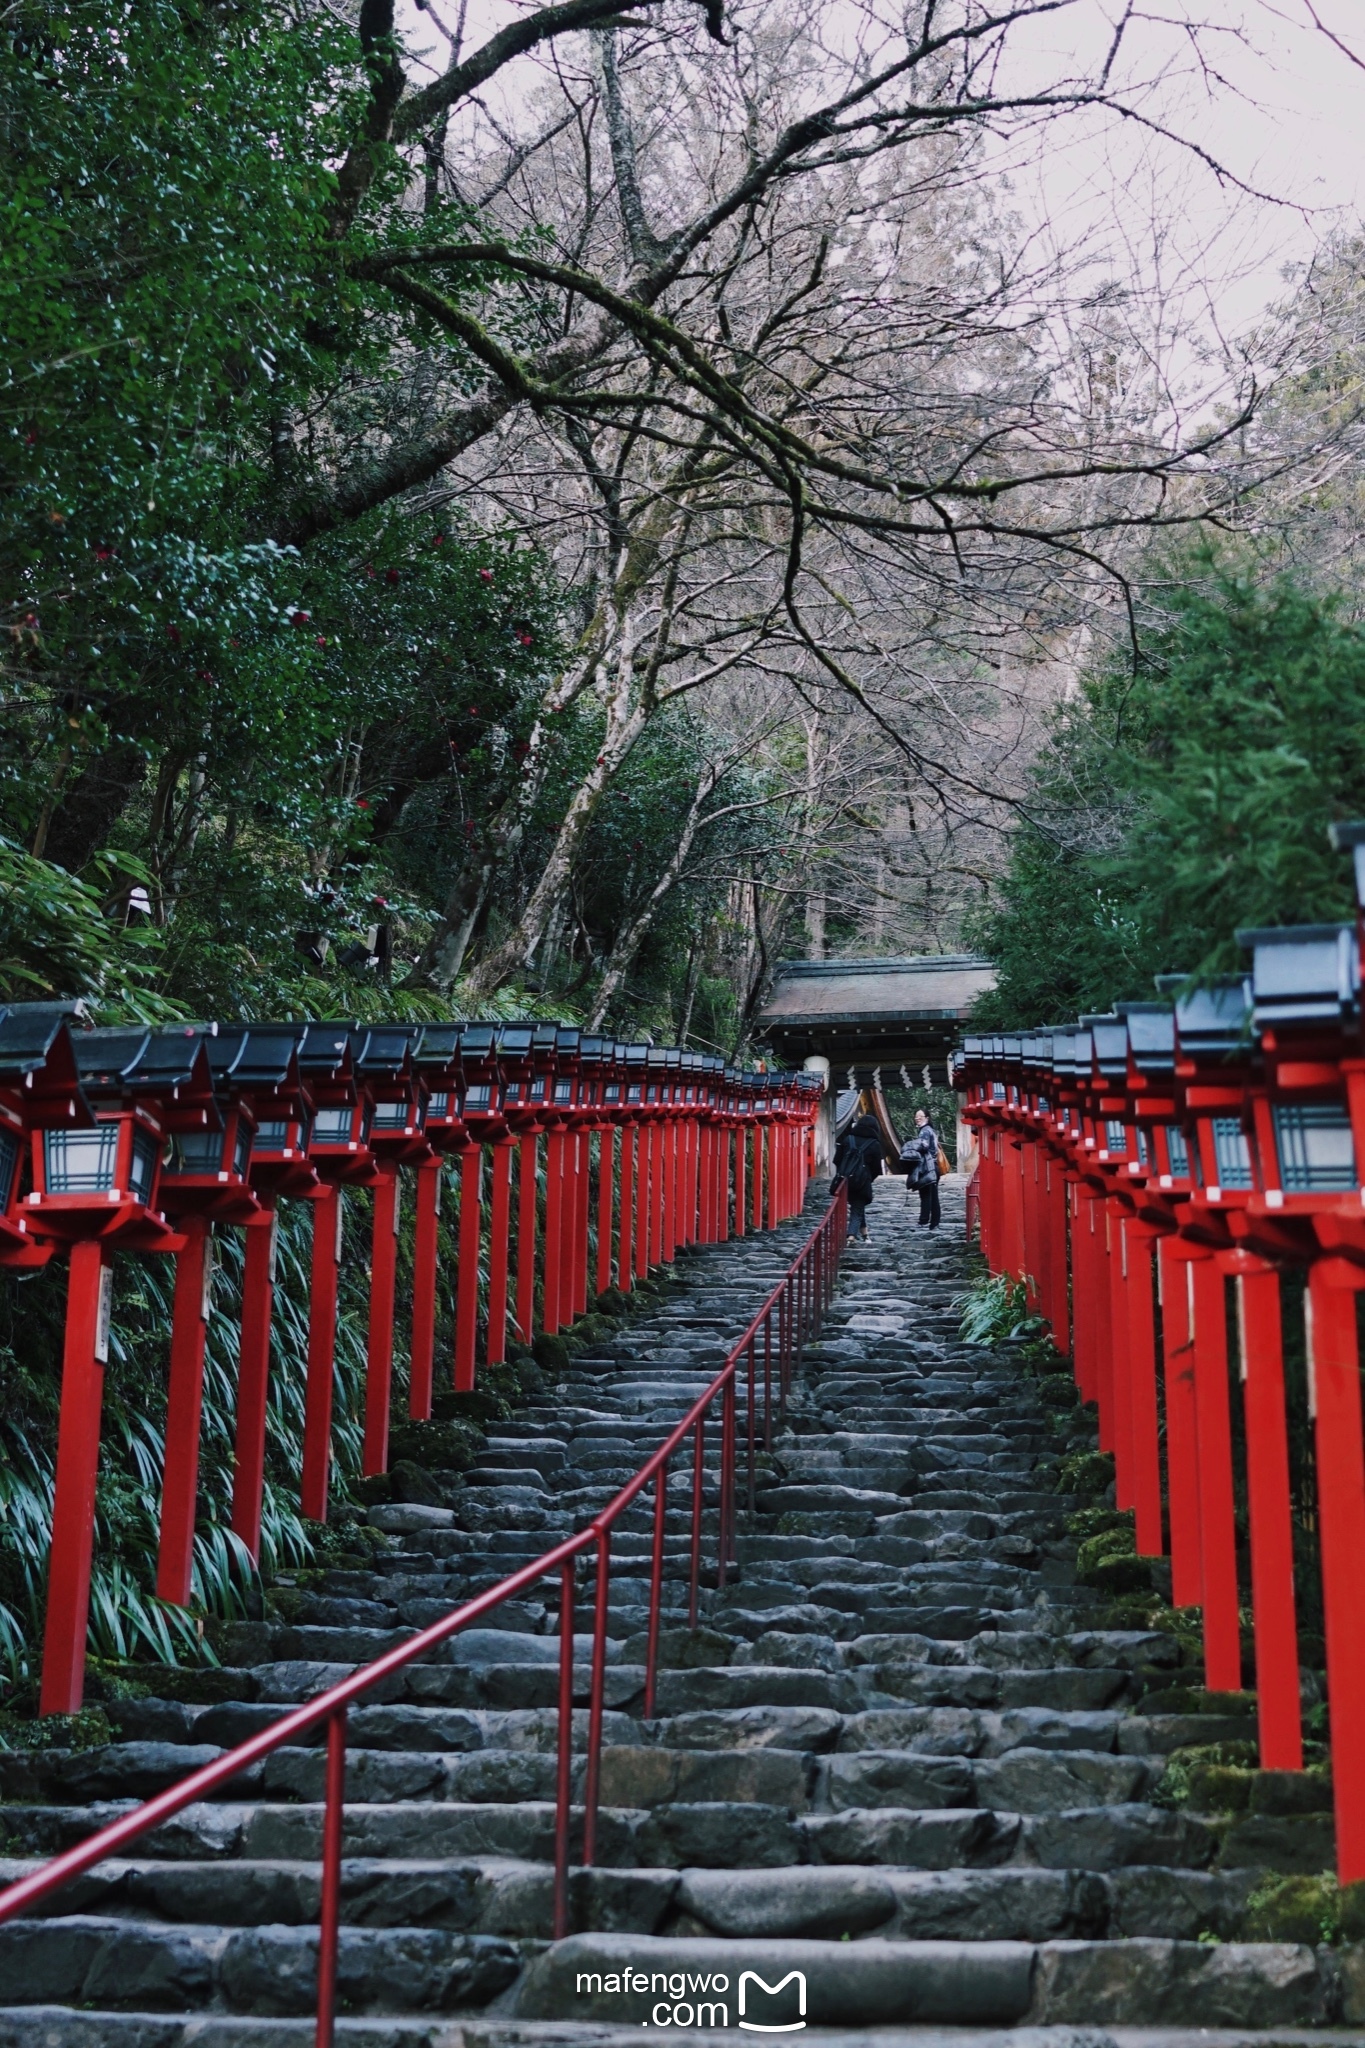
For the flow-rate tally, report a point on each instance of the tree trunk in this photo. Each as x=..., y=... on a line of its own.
x=629, y=943
x=93, y=804
x=625, y=723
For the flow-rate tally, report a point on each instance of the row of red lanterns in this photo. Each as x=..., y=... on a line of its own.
x=1215, y=1134
x=135, y=1140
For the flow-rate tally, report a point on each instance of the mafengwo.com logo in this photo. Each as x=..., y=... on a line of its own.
x=689, y=1999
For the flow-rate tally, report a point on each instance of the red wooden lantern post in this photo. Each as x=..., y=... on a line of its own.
x=277, y=1168
x=205, y=1179
x=39, y=1091
x=339, y=1153
x=398, y=1101
x=525, y=1081
x=482, y=1120
x=738, y=1099
x=609, y=1085
x=434, y=1064
x=625, y=1200
x=94, y=1188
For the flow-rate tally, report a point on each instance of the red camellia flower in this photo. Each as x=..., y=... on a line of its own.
x=361, y=804
x=485, y=575
x=299, y=618
x=321, y=640
x=525, y=639
x=439, y=541
x=390, y=575
x=103, y=554
x=369, y=571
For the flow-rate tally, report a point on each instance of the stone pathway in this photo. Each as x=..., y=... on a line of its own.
x=899, y=1758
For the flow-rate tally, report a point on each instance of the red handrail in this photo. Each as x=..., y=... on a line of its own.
x=796, y=1307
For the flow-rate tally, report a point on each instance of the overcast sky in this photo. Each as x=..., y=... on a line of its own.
x=1287, y=117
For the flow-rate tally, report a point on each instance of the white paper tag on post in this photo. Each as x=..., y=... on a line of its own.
x=206, y=1286
x=104, y=1308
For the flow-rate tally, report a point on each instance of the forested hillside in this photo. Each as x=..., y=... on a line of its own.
x=556, y=520
x=551, y=512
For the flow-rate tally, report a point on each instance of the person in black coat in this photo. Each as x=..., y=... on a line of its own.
x=858, y=1161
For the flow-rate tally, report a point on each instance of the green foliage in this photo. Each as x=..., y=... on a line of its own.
x=1212, y=1777
x=1183, y=800
x=1305, y=1909
x=995, y=1310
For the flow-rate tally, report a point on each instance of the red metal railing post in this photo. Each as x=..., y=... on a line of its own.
x=427, y=1224
x=329, y=1918
x=698, y=1476
x=78, y=1449
x=379, y=1356
x=564, y=1763
x=253, y=1377
x=597, y=1695
x=499, y=1250
x=1278, y=1709
x=328, y=1218
x=656, y=1587
x=184, y=1403
x=526, y=1236
x=606, y=1157
x=727, y=1481
x=752, y=1403
x=467, y=1275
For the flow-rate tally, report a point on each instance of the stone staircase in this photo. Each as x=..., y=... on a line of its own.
x=899, y=1756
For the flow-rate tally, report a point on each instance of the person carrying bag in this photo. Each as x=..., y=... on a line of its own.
x=858, y=1162
x=931, y=1163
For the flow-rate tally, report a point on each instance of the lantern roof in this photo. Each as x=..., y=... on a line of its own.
x=325, y=1050
x=478, y=1041
x=1350, y=838
x=29, y=1032
x=1151, y=1036
x=37, y=1055
x=1214, y=1020
x=254, y=1055
x=112, y=1054
x=383, y=1052
x=1110, y=1035
x=437, y=1045
x=515, y=1039
x=1303, y=973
